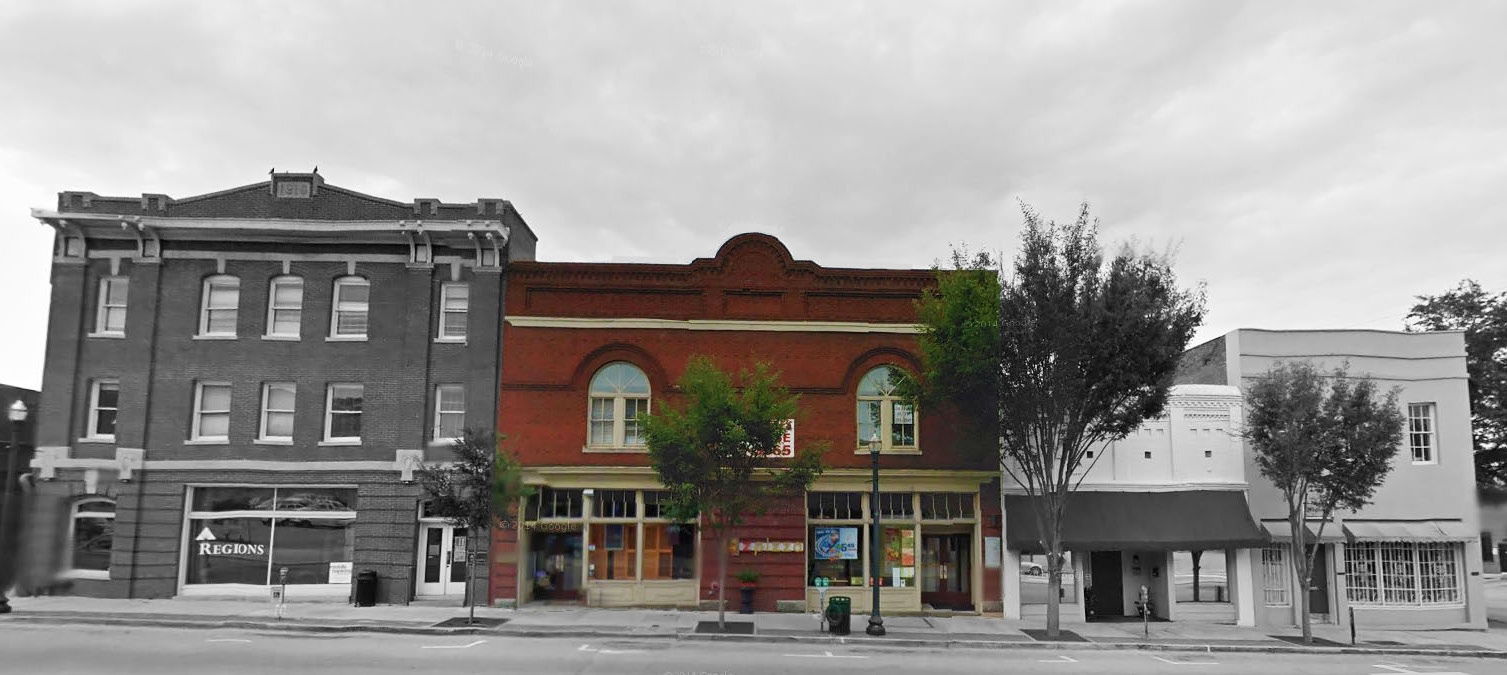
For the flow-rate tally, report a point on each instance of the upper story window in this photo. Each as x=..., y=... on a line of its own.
x=352, y=302
x=284, y=307
x=110, y=318
x=222, y=297
x=342, y=417
x=619, y=393
x=881, y=411
x=104, y=405
x=454, y=299
x=211, y=411
x=277, y=411
x=1421, y=433
x=449, y=411
x=92, y=530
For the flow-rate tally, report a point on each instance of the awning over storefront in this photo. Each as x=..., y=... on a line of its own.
x=1408, y=530
x=1281, y=531
x=1185, y=520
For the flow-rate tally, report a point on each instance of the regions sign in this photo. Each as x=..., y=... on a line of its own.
x=208, y=546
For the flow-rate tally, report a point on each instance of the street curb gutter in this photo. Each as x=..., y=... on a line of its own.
x=861, y=642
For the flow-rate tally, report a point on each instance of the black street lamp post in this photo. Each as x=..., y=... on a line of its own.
x=9, y=547
x=876, y=622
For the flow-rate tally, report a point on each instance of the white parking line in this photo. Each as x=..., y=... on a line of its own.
x=1059, y=659
x=1399, y=670
x=826, y=655
x=227, y=640
x=1184, y=663
x=473, y=644
x=588, y=648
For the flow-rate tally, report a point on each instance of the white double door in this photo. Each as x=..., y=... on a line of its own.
x=442, y=560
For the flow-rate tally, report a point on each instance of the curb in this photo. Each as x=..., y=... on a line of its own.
x=684, y=636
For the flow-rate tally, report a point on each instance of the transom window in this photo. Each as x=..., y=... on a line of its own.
x=284, y=307
x=619, y=394
x=111, y=316
x=1421, y=432
x=881, y=411
x=351, y=306
x=454, y=300
x=92, y=531
x=222, y=298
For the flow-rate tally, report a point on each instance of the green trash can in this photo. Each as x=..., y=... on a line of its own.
x=840, y=615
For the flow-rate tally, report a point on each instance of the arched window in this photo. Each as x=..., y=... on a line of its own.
x=619, y=393
x=91, y=531
x=220, y=306
x=881, y=411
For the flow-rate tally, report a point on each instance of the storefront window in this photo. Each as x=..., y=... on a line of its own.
x=837, y=554
x=669, y=551
x=613, y=552
x=898, y=568
x=1033, y=580
x=1208, y=583
x=242, y=535
x=93, y=533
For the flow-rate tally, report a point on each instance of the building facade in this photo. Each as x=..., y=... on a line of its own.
x=589, y=346
x=239, y=386
x=1413, y=557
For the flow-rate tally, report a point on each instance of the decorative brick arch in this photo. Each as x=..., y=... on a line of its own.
x=621, y=351
x=869, y=360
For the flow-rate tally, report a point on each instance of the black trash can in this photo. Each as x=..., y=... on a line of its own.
x=840, y=615
x=366, y=588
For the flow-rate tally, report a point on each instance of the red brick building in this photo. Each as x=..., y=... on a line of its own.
x=590, y=345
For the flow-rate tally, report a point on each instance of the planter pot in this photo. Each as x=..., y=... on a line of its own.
x=746, y=594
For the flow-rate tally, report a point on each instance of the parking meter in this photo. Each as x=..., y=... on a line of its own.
x=1145, y=611
x=282, y=593
x=821, y=584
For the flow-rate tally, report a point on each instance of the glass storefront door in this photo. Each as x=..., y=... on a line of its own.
x=555, y=565
x=947, y=571
x=442, y=560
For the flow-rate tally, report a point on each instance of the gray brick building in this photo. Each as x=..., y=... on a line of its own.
x=243, y=382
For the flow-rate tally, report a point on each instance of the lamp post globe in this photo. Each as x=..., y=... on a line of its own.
x=876, y=622
x=9, y=503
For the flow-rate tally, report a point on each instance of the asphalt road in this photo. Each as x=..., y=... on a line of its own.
x=99, y=650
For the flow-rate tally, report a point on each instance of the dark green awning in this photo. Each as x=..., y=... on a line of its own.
x=1186, y=520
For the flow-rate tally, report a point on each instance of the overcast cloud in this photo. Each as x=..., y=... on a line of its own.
x=1318, y=164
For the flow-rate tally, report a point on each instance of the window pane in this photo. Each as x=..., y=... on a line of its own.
x=232, y=499
x=109, y=394
x=115, y=319
x=214, y=425
x=452, y=398
x=104, y=424
x=632, y=430
x=669, y=551
x=345, y=425
x=352, y=293
x=285, y=321
x=220, y=321
x=280, y=397
x=307, y=547
x=224, y=295
x=1033, y=580
x=868, y=421
x=316, y=499
x=280, y=424
x=1210, y=584
x=452, y=425
x=620, y=378
x=903, y=427
x=346, y=397
x=614, y=552
x=348, y=322
x=229, y=551
x=876, y=383
x=288, y=293
x=91, y=542
x=454, y=324
x=116, y=290
x=214, y=397
x=456, y=296
x=836, y=552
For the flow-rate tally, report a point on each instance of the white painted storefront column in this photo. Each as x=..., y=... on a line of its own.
x=1241, y=564
x=1011, y=570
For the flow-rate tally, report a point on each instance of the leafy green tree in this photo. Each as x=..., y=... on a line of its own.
x=478, y=491
x=716, y=453
x=1325, y=445
x=1483, y=317
x=1082, y=350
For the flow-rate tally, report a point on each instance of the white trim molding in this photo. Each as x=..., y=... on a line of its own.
x=713, y=324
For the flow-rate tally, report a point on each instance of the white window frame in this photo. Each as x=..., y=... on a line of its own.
x=436, y=432
x=268, y=410
x=199, y=413
x=273, y=307
x=337, y=307
x=446, y=310
x=92, y=432
x=1277, y=591
x=888, y=403
x=619, y=403
x=221, y=280
x=74, y=515
x=104, y=306
x=329, y=413
x=1423, y=425
x=1371, y=573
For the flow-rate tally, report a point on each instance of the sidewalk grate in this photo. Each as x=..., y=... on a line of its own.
x=463, y=622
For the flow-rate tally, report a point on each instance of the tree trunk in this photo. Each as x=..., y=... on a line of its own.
x=1303, y=570
x=1003, y=568
x=722, y=583
x=1197, y=556
x=1054, y=589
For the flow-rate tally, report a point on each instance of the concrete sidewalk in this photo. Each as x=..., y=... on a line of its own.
x=572, y=621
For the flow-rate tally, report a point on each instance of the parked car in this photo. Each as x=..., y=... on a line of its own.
x=1028, y=567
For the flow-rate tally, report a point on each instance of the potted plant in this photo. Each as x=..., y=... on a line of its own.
x=748, y=578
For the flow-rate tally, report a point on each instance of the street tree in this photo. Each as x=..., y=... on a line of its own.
x=479, y=490
x=1065, y=351
x=1326, y=445
x=718, y=453
x=1483, y=317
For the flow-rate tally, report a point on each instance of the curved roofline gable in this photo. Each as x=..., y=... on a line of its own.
x=751, y=245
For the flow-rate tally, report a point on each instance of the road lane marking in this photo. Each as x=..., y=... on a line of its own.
x=473, y=644
x=1398, y=670
x=826, y=655
x=1060, y=659
x=1184, y=663
x=227, y=640
x=588, y=649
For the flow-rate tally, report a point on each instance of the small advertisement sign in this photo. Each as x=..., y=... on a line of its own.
x=340, y=572
x=787, y=442
x=836, y=543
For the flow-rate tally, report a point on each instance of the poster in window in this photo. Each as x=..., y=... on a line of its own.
x=614, y=538
x=836, y=543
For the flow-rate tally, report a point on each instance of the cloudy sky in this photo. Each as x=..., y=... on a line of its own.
x=1316, y=164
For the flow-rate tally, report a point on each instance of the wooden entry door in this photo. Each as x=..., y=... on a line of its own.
x=947, y=571
x=1318, y=591
x=1107, y=584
